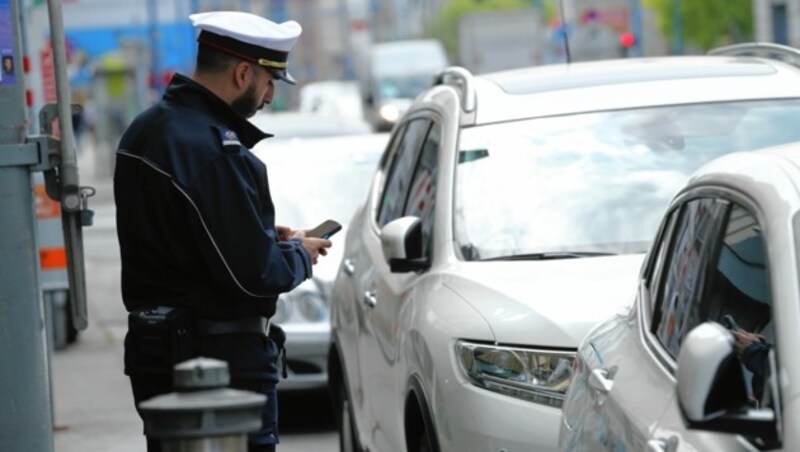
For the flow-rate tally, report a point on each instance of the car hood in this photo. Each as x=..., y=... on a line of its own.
x=547, y=303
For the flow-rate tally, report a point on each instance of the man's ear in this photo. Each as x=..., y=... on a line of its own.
x=242, y=72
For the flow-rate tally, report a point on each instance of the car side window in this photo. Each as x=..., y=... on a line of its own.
x=656, y=266
x=393, y=198
x=718, y=271
x=738, y=296
x=422, y=194
x=685, y=270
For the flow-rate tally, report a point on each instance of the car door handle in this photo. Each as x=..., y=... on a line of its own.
x=349, y=267
x=370, y=299
x=663, y=445
x=601, y=381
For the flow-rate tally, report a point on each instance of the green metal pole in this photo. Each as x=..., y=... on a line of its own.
x=25, y=419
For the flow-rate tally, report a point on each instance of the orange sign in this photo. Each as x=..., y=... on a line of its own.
x=53, y=258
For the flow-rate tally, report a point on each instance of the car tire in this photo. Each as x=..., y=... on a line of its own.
x=420, y=431
x=347, y=440
x=343, y=414
x=425, y=441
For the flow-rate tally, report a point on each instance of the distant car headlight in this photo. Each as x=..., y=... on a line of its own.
x=311, y=306
x=390, y=113
x=540, y=376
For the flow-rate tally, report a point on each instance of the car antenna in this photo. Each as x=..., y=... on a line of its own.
x=566, y=31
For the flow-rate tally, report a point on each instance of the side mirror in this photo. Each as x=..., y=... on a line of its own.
x=401, y=241
x=711, y=388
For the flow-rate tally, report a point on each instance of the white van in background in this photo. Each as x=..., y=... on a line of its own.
x=397, y=72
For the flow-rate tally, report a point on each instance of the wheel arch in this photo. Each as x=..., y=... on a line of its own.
x=417, y=416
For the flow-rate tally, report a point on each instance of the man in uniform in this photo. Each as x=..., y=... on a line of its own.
x=202, y=259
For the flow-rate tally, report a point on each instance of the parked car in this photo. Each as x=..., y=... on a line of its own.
x=295, y=124
x=333, y=98
x=706, y=359
x=312, y=180
x=508, y=216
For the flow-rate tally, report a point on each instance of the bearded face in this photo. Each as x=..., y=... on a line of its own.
x=248, y=103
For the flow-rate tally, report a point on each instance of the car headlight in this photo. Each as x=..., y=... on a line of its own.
x=389, y=113
x=311, y=306
x=540, y=376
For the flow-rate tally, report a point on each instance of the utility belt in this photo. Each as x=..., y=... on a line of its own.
x=161, y=336
x=206, y=327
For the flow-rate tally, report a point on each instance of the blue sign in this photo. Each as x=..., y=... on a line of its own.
x=7, y=58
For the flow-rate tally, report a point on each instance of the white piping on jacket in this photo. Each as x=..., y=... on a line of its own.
x=199, y=215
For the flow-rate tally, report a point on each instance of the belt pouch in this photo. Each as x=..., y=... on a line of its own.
x=278, y=336
x=158, y=338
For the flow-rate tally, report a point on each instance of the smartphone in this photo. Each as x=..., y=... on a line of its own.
x=325, y=229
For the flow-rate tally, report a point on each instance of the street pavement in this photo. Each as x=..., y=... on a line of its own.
x=92, y=402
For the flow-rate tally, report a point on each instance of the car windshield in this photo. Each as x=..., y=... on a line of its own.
x=331, y=188
x=595, y=183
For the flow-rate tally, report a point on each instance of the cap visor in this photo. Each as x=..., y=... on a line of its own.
x=283, y=75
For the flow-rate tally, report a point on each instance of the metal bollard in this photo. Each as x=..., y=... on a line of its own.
x=203, y=415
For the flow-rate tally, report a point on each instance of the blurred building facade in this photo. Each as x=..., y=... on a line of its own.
x=153, y=39
x=777, y=21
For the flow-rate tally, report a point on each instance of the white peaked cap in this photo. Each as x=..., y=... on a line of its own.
x=250, y=37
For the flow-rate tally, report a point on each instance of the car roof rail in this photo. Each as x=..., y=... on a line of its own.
x=772, y=50
x=463, y=81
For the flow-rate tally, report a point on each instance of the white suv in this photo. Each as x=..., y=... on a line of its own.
x=707, y=358
x=510, y=214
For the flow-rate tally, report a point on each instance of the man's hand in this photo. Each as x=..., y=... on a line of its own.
x=745, y=339
x=316, y=247
x=285, y=233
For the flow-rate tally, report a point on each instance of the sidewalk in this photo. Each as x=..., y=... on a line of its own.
x=93, y=405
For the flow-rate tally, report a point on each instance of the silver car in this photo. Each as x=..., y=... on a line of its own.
x=707, y=358
x=312, y=180
x=509, y=215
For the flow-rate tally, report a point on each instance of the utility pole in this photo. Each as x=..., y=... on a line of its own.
x=152, y=31
x=26, y=422
x=348, y=71
x=636, y=28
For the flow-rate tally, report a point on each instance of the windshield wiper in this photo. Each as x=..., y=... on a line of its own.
x=548, y=256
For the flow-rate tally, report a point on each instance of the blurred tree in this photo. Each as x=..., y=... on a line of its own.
x=705, y=23
x=445, y=26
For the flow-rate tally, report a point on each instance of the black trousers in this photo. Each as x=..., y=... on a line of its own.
x=253, y=365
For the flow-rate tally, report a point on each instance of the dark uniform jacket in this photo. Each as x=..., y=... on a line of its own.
x=195, y=219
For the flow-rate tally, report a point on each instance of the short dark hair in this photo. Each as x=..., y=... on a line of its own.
x=211, y=60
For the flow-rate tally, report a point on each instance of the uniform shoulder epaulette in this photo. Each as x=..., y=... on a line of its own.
x=230, y=141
